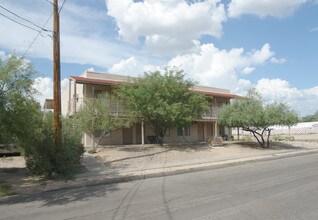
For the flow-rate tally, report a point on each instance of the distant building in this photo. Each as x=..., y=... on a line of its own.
x=90, y=84
x=48, y=104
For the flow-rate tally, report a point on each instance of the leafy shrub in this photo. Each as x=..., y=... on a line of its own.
x=289, y=138
x=279, y=137
x=246, y=138
x=43, y=157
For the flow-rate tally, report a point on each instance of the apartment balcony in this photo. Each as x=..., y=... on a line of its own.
x=212, y=113
x=117, y=108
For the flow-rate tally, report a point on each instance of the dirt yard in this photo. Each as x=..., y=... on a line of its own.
x=135, y=158
x=131, y=158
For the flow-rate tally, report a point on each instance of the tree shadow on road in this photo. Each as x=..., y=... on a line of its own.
x=32, y=189
x=61, y=197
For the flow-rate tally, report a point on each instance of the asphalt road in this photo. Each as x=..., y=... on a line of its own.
x=279, y=189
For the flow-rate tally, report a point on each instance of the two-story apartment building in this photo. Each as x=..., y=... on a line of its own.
x=90, y=84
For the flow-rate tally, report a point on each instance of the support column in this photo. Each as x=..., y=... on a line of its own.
x=93, y=92
x=205, y=132
x=142, y=134
x=216, y=129
x=69, y=97
x=74, y=97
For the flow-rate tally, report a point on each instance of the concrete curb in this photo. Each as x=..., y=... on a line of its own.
x=168, y=171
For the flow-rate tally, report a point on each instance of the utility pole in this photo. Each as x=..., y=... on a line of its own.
x=57, y=74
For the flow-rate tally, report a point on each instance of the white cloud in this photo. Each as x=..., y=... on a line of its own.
x=220, y=68
x=243, y=85
x=248, y=70
x=314, y=29
x=2, y=55
x=90, y=69
x=167, y=25
x=263, y=8
x=44, y=85
x=303, y=101
x=83, y=30
x=278, y=61
x=132, y=67
x=274, y=89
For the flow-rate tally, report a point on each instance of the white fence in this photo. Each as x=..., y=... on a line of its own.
x=300, y=128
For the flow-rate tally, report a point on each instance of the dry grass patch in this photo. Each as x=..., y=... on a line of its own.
x=6, y=190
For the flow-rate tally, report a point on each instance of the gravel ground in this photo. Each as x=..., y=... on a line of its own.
x=9, y=162
x=136, y=157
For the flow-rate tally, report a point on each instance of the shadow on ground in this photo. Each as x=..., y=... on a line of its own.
x=137, y=156
x=13, y=175
x=32, y=189
x=272, y=146
x=60, y=197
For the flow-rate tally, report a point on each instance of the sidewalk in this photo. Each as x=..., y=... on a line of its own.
x=122, y=164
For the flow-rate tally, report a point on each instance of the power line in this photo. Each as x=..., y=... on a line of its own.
x=49, y=2
x=36, y=37
x=62, y=6
x=22, y=18
x=53, y=4
x=19, y=23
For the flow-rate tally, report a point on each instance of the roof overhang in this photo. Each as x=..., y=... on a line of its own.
x=216, y=94
x=84, y=80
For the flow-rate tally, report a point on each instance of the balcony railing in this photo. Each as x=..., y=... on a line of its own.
x=116, y=107
x=212, y=113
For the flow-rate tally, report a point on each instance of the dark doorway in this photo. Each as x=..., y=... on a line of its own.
x=127, y=135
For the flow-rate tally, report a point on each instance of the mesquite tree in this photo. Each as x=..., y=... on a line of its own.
x=252, y=115
x=100, y=116
x=163, y=100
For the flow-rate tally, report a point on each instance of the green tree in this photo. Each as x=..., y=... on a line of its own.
x=43, y=157
x=253, y=116
x=311, y=118
x=23, y=123
x=164, y=100
x=18, y=108
x=100, y=116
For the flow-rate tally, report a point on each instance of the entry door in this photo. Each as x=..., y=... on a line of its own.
x=200, y=132
x=127, y=135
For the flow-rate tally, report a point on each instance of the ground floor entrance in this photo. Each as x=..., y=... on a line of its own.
x=199, y=131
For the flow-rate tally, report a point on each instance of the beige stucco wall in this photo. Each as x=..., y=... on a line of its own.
x=64, y=101
x=68, y=93
x=116, y=138
x=174, y=138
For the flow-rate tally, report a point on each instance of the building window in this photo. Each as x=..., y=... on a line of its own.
x=183, y=131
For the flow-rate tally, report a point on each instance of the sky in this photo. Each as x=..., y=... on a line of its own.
x=269, y=45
